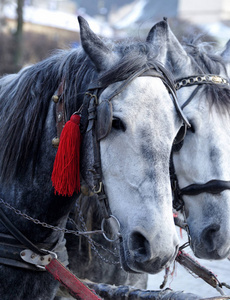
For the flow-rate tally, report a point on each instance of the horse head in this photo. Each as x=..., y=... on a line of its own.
x=202, y=162
x=138, y=122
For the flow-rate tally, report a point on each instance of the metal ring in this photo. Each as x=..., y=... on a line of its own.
x=99, y=188
x=118, y=235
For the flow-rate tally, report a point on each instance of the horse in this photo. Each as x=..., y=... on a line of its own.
x=200, y=165
x=123, y=102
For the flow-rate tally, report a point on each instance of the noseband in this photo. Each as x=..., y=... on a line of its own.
x=99, y=121
x=213, y=186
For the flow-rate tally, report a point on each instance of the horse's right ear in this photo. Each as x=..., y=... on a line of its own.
x=157, y=36
x=95, y=48
x=158, y=33
x=170, y=50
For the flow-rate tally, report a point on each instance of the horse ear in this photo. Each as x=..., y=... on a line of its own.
x=95, y=48
x=170, y=52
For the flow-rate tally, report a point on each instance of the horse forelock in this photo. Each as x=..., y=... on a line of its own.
x=134, y=57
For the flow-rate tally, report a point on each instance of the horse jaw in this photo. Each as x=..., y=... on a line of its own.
x=207, y=215
x=136, y=174
x=209, y=226
x=100, y=54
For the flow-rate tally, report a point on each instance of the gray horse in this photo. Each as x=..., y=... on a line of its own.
x=201, y=163
x=128, y=125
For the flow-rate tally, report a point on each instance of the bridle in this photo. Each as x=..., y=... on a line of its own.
x=213, y=186
x=99, y=122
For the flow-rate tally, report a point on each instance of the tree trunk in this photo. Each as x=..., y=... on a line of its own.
x=18, y=36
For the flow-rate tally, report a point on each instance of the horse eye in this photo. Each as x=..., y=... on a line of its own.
x=118, y=124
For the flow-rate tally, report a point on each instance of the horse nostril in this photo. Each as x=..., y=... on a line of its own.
x=140, y=247
x=209, y=235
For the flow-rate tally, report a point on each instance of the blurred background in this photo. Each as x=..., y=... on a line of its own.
x=31, y=29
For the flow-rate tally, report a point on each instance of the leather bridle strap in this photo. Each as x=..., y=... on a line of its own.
x=212, y=187
x=191, y=97
x=18, y=235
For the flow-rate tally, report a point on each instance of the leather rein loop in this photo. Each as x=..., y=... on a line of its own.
x=213, y=186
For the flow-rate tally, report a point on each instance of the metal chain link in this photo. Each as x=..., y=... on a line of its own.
x=64, y=230
x=93, y=243
x=85, y=233
x=44, y=224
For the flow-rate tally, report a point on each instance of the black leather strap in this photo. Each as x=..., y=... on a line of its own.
x=212, y=187
x=18, y=235
x=10, y=250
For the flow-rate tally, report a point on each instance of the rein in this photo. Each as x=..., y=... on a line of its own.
x=213, y=186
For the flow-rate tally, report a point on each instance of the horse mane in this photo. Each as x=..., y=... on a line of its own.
x=25, y=98
x=208, y=61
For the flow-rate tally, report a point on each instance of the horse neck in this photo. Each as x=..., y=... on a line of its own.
x=33, y=194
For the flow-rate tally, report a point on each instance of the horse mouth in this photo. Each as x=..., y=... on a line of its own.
x=202, y=252
x=152, y=266
x=123, y=258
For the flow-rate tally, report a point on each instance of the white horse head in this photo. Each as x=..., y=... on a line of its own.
x=204, y=158
x=135, y=151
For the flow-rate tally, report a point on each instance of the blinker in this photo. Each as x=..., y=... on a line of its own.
x=180, y=135
x=104, y=119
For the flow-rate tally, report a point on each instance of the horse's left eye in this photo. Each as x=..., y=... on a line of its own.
x=118, y=124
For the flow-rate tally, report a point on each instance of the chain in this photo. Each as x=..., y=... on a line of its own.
x=65, y=231
x=43, y=224
x=93, y=243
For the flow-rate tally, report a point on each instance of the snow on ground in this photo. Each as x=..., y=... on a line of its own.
x=58, y=19
x=182, y=280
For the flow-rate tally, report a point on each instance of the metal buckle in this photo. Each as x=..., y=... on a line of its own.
x=39, y=261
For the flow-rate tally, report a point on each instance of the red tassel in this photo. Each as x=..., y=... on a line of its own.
x=66, y=169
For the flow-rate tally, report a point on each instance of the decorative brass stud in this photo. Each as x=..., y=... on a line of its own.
x=216, y=79
x=55, y=142
x=55, y=98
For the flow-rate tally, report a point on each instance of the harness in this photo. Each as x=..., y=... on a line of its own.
x=213, y=186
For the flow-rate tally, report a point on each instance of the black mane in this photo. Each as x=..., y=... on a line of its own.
x=208, y=62
x=25, y=98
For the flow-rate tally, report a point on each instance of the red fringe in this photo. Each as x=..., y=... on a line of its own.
x=66, y=169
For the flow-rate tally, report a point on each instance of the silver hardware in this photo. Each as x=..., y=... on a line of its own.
x=39, y=261
x=213, y=79
x=113, y=222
